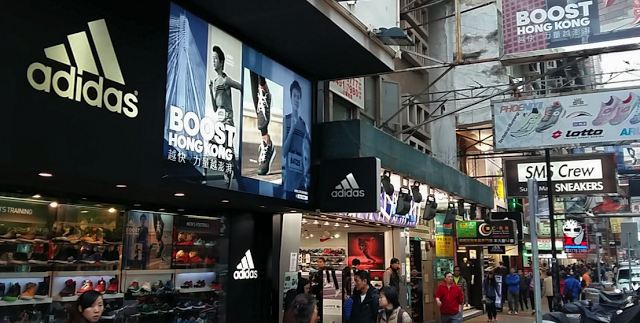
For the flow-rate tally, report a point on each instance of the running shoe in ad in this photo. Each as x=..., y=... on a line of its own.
x=263, y=110
x=528, y=125
x=550, y=118
x=267, y=155
x=607, y=111
x=626, y=108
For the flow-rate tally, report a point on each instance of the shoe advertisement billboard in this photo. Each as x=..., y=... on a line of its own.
x=532, y=28
x=234, y=118
x=575, y=236
x=582, y=174
x=585, y=119
x=368, y=248
x=148, y=240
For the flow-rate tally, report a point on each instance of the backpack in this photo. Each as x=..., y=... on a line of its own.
x=399, y=318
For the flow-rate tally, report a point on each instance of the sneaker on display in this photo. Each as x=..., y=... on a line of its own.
x=2, y=289
x=9, y=235
x=199, y=242
x=267, y=153
x=20, y=258
x=146, y=287
x=38, y=259
x=550, y=117
x=87, y=285
x=69, y=288
x=607, y=111
x=134, y=287
x=187, y=284
x=13, y=293
x=157, y=286
x=210, y=244
x=165, y=308
x=198, y=305
x=43, y=289
x=209, y=261
x=92, y=259
x=101, y=286
x=184, y=306
x=113, y=286
x=30, y=292
x=168, y=286
x=148, y=309
x=6, y=258
x=109, y=312
x=28, y=236
x=200, y=284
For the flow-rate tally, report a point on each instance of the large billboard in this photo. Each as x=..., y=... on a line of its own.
x=234, y=118
x=537, y=27
x=570, y=175
x=571, y=120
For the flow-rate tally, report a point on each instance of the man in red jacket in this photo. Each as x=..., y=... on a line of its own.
x=449, y=298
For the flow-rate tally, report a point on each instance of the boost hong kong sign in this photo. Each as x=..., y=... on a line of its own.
x=350, y=185
x=535, y=27
x=570, y=120
x=496, y=233
x=570, y=175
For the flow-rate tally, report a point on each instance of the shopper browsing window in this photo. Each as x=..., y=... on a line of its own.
x=302, y=310
x=392, y=274
x=88, y=309
x=490, y=292
x=513, y=285
x=365, y=300
x=449, y=299
x=391, y=307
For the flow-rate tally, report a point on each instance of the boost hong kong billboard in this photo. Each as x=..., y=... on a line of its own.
x=538, y=27
x=234, y=118
x=585, y=119
x=570, y=175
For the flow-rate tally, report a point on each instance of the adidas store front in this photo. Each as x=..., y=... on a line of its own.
x=149, y=155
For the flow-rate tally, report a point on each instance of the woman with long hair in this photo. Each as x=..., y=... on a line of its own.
x=88, y=309
x=304, y=286
x=302, y=310
x=391, y=307
x=490, y=292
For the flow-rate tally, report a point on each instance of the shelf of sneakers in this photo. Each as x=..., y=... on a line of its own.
x=25, y=275
x=26, y=302
x=106, y=273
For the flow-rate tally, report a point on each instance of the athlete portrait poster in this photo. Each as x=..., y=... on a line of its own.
x=148, y=240
x=234, y=118
x=368, y=248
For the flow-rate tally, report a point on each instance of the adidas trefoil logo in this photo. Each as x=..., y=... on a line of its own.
x=246, y=268
x=71, y=85
x=348, y=187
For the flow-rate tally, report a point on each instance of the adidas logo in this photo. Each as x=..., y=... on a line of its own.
x=348, y=187
x=70, y=84
x=245, y=269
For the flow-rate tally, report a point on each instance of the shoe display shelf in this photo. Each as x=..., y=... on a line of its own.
x=24, y=288
x=66, y=286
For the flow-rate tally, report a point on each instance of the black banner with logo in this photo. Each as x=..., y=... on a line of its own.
x=350, y=185
x=570, y=174
x=498, y=233
x=497, y=250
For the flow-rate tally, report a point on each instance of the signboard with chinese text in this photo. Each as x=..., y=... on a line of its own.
x=537, y=27
x=444, y=247
x=351, y=90
x=487, y=233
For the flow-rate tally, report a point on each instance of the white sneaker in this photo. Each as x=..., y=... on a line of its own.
x=200, y=242
x=146, y=286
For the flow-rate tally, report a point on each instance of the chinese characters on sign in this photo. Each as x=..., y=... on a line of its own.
x=444, y=247
x=350, y=89
x=481, y=233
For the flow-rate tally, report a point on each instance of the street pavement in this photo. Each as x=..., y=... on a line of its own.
x=523, y=317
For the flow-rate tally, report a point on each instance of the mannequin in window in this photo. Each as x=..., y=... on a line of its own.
x=468, y=269
x=462, y=283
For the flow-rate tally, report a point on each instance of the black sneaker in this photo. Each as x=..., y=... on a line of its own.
x=69, y=288
x=2, y=289
x=62, y=256
x=198, y=305
x=38, y=259
x=13, y=293
x=267, y=155
x=165, y=308
x=263, y=109
x=200, y=284
x=109, y=312
x=43, y=289
x=20, y=258
x=184, y=306
x=187, y=284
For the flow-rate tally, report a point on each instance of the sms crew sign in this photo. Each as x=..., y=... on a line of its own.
x=570, y=175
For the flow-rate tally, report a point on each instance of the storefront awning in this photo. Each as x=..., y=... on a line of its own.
x=313, y=37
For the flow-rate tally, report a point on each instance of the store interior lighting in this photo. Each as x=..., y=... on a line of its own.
x=315, y=222
x=336, y=225
x=304, y=221
x=346, y=225
x=326, y=223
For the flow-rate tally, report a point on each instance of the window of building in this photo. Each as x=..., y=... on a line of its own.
x=390, y=103
x=341, y=109
x=370, y=93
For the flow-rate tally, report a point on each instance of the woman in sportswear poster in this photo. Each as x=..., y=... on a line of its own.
x=368, y=248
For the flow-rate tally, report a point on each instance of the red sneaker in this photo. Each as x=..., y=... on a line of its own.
x=208, y=260
x=113, y=286
x=87, y=285
x=101, y=286
x=195, y=260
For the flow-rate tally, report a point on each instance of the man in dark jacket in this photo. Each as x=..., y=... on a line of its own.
x=365, y=300
x=391, y=276
x=524, y=290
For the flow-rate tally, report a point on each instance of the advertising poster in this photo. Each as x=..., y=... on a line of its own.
x=17, y=216
x=570, y=120
x=148, y=240
x=377, y=278
x=538, y=25
x=368, y=248
x=498, y=297
x=290, y=283
x=575, y=236
x=198, y=243
x=234, y=118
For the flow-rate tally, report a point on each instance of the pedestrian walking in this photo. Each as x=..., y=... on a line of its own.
x=365, y=300
x=513, y=285
x=449, y=299
x=391, y=311
x=547, y=289
x=302, y=310
x=490, y=292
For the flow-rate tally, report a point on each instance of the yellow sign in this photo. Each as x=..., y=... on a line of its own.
x=444, y=247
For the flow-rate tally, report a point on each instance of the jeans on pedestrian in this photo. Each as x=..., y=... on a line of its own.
x=524, y=296
x=550, y=300
x=492, y=312
x=532, y=298
x=513, y=300
x=457, y=318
